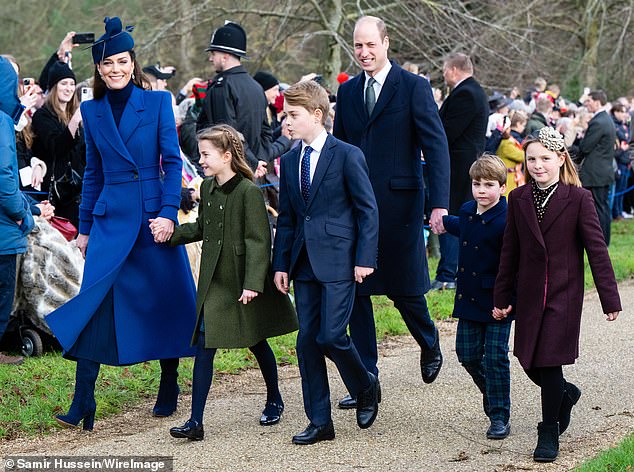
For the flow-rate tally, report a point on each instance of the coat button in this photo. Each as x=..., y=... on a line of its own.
x=220, y=225
x=464, y=243
x=472, y=299
x=473, y=273
x=471, y=218
x=135, y=175
x=460, y=296
x=208, y=204
x=462, y=269
x=219, y=242
x=221, y=207
x=207, y=222
x=307, y=218
x=206, y=240
x=476, y=248
x=484, y=222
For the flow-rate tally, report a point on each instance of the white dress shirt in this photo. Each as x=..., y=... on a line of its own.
x=318, y=144
x=380, y=80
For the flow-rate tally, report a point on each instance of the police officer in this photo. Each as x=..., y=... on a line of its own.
x=235, y=98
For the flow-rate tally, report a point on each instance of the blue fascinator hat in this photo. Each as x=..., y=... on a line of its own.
x=115, y=40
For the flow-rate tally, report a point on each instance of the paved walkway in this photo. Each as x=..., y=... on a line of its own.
x=437, y=427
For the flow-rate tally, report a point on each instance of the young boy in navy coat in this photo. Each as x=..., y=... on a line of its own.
x=326, y=241
x=481, y=341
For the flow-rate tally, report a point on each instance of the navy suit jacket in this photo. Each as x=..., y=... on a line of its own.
x=480, y=247
x=404, y=122
x=338, y=225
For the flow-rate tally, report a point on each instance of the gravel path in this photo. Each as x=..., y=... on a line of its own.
x=437, y=427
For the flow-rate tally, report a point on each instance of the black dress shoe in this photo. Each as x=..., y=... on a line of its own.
x=191, y=430
x=272, y=413
x=498, y=430
x=349, y=403
x=313, y=434
x=368, y=403
x=431, y=361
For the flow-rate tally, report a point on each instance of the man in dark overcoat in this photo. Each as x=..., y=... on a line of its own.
x=464, y=116
x=597, y=155
x=236, y=99
x=391, y=115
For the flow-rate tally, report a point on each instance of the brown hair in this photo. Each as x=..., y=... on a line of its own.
x=488, y=167
x=460, y=61
x=310, y=95
x=138, y=78
x=54, y=106
x=518, y=116
x=226, y=139
x=617, y=107
x=599, y=95
x=567, y=173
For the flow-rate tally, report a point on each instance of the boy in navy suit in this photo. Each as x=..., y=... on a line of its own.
x=482, y=343
x=326, y=241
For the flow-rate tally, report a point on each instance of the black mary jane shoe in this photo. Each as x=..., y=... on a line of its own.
x=191, y=430
x=272, y=413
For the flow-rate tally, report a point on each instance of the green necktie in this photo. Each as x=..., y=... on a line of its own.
x=370, y=97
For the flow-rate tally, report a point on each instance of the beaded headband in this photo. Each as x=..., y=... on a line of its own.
x=551, y=139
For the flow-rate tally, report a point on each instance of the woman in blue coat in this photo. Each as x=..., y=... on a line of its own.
x=137, y=300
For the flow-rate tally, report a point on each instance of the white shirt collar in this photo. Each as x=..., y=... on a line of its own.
x=318, y=143
x=381, y=75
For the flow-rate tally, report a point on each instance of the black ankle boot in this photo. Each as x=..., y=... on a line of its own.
x=192, y=430
x=571, y=397
x=547, y=443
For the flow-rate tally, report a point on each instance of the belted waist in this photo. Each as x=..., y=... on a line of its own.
x=132, y=175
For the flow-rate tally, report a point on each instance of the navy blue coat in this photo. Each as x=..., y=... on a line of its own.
x=404, y=122
x=480, y=247
x=153, y=291
x=338, y=225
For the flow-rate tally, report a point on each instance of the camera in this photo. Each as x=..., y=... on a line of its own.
x=84, y=38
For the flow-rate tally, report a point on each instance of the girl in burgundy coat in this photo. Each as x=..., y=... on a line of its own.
x=550, y=222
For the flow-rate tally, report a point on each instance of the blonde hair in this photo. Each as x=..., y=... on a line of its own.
x=226, y=139
x=488, y=167
x=54, y=105
x=310, y=95
x=567, y=172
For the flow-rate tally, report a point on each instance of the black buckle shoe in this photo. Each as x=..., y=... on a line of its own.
x=191, y=430
x=498, y=430
x=431, y=361
x=313, y=434
x=272, y=413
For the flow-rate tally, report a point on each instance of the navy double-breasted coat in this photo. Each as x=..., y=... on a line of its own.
x=133, y=173
x=404, y=122
x=545, y=261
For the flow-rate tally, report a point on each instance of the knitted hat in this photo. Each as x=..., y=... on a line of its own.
x=115, y=40
x=230, y=38
x=59, y=71
x=266, y=80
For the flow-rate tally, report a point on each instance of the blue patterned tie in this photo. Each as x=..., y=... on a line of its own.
x=305, y=173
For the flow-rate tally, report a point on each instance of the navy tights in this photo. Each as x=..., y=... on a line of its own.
x=203, y=373
x=551, y=381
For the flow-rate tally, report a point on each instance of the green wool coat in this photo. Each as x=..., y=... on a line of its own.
x=233, y=225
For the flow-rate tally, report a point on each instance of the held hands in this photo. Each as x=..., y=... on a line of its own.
x=435, y=221
x=612, y=316
x=47, y=211
x=361, y=273
x=247, y=296
x=281, y=281
x=162, y=229
x=501, y=313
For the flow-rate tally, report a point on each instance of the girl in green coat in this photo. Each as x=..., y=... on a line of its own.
x=237, y=304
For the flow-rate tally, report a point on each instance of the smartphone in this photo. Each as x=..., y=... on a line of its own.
x=28, y=81
x=86, y=94
x=84, y=38
x=586, y=90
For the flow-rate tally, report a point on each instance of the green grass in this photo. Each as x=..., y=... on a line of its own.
x=618, y=459
x=32, y=393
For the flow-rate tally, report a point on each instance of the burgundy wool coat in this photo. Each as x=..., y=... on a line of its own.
x=544, y=262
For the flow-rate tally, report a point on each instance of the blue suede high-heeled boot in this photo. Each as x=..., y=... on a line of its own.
x=82, y=409
x=167, y=398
